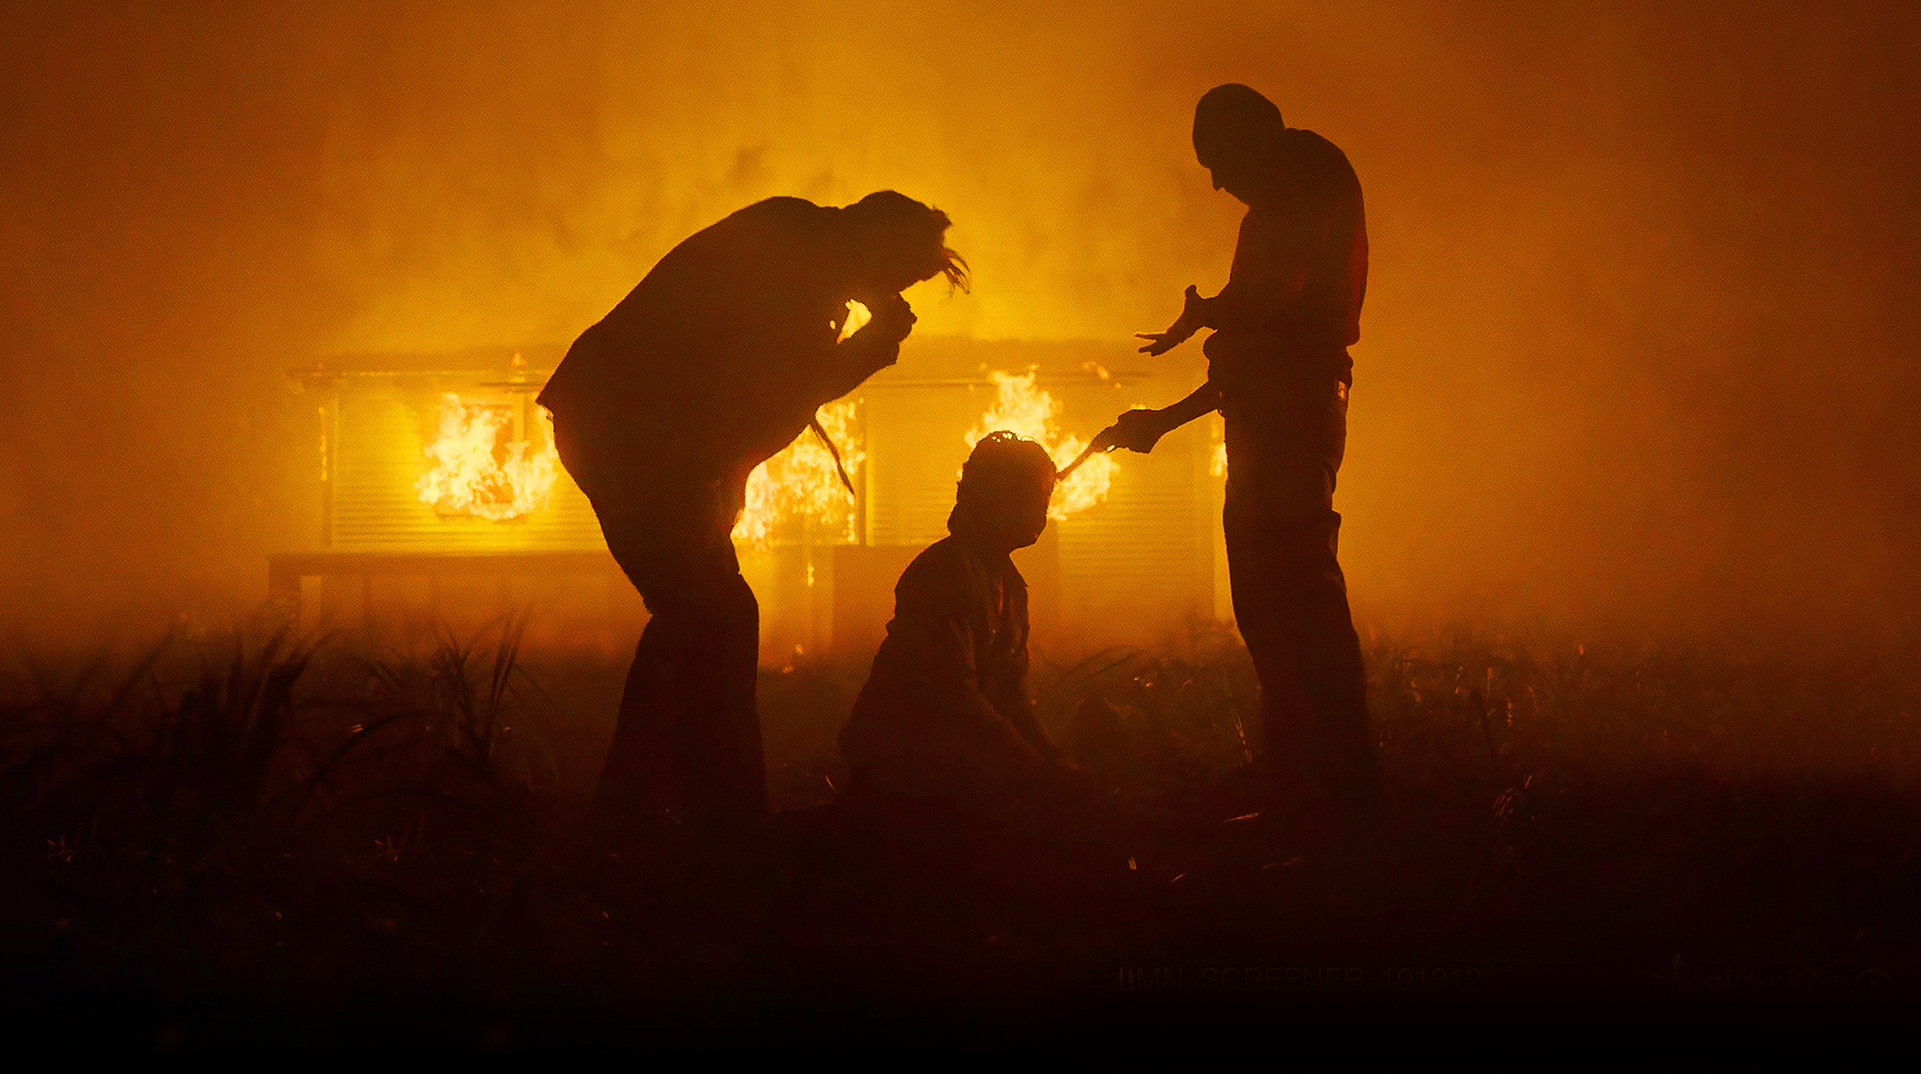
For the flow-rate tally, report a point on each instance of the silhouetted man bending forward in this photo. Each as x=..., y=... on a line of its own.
x=1279, y=372
x=712, y=364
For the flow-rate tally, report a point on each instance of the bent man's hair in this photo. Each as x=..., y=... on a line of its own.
x=920, y=229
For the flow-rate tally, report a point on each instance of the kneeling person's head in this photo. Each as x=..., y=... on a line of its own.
x=1004, y=490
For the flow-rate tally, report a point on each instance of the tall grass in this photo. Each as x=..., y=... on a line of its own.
x=227, y=800
x=221, y=813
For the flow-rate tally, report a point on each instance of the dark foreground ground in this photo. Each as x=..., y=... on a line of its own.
x=1638, y=857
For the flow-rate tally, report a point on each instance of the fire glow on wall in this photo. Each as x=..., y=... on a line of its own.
x=443, y=465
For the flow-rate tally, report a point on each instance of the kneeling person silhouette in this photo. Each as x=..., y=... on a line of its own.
x=944, y=721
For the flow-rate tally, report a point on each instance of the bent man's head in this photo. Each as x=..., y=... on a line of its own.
x=896, y=242
x=1237, y=133
x=1005, y=487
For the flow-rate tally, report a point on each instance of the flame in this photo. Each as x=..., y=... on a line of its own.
x=1029, y=411
x=800, y=484
x=475, y=472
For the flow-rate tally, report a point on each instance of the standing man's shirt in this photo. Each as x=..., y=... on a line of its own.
x=1292, y=304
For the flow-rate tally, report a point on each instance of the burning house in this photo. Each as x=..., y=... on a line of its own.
x=440, y=496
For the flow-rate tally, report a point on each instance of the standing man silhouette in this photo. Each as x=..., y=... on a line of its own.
x=713, y=363
x=1279, y=373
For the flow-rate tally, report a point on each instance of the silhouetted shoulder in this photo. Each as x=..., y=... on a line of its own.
x=775, y=220
x=702, y=311
x=949, y=575
x=1322, y=162
x=784, y=206
x=941, y=575
x=747, y=236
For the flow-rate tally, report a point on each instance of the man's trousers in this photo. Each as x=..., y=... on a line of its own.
x=1290, y=597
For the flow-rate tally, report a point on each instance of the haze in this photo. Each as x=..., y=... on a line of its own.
x=1639, y=348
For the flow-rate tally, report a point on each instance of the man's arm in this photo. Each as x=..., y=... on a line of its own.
x=1270, y=270
x=1018, y=708
x=1271, y=258
x=1276, y=244
x=871, y=349
x=1193, y=318
x=1140, y=429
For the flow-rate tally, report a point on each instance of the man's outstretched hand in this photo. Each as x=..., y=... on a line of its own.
x=1136, y=430
x=1193, y=313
